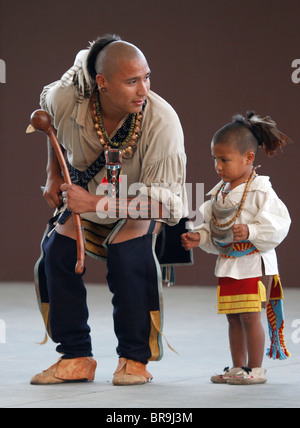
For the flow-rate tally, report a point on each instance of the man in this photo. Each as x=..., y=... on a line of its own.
x=103, y=104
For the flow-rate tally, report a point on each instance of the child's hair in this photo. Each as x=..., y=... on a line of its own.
x=263, y=132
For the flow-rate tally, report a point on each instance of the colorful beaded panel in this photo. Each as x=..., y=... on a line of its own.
x=243, y=248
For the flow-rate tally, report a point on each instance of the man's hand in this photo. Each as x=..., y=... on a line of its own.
x=52, y=192
x=190, y=240
x=77, y=199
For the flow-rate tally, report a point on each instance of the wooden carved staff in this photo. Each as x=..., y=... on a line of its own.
x=41, y=121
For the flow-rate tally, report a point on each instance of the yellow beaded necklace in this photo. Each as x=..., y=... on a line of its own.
x=241, y=206
x=129, y=145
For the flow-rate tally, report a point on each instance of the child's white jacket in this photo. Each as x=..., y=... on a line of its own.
x=268, y=220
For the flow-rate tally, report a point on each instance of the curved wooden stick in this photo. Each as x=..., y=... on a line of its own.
x=41, y=121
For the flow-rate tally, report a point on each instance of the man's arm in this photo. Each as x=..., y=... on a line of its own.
x=80, y=201
x=52, y=191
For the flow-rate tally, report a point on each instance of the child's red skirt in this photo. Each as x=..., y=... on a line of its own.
x=240, y=295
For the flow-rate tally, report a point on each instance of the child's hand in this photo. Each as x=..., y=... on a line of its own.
x=240, y=232
x=190, y=240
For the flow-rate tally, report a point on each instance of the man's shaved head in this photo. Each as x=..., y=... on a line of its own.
x=107, y=53
x=113, y=55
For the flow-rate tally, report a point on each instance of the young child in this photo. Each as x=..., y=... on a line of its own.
x=243, y=223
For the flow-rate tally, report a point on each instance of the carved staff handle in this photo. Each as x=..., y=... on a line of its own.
x=41, y=121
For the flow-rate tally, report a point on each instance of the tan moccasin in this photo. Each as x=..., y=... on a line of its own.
x=72, y=370
x=248, y=376
x=131, y=372
x=227, y=374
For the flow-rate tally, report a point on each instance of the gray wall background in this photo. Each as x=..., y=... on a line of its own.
x=209, y=59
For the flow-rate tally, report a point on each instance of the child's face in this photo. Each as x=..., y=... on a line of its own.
x=231, y=166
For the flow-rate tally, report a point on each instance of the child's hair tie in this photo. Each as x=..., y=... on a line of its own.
x=250, y=125
x=264, y=130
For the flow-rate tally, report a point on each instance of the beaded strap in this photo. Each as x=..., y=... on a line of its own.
x=239, y=249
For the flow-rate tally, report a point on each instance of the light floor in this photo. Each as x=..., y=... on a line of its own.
x=181, y=381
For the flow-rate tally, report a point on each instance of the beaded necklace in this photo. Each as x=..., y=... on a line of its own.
x=241, y=206
x=129, y=144
x=226, y=192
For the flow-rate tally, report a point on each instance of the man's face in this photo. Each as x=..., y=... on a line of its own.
x=128, y=87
